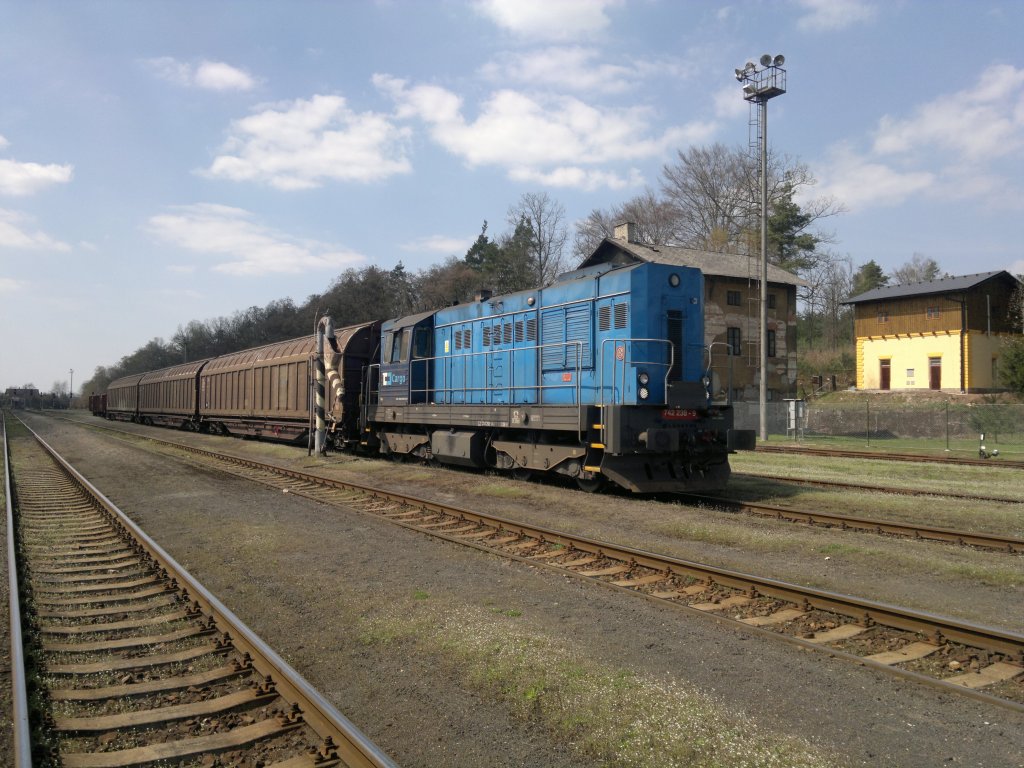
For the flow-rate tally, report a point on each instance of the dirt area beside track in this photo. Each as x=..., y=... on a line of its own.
x=309, y=578
x=6, y=700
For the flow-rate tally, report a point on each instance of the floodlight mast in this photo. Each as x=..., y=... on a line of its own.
x=760, y=85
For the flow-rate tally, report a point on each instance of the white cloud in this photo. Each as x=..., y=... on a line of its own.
x=1016, y=268
x=21, y=179
x=830, y=15
x=211, y=75
x=245, y=246
x=170, y=69
x=15, y=232
x=556, y=137
x=859, y=182
x=730, y=104
x=304, y=143
x=218, y=76
x=10, y=285
x=980, y=123
x=957, y=147
x=549, y=19
x=577, y=68
x=439, y=244
x=578, y=178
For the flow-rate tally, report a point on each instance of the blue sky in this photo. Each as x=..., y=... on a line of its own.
x=168, y=161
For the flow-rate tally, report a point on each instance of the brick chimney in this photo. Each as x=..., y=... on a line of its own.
x=626, y=231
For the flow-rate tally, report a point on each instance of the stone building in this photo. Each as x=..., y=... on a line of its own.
x=731, y=297
x=942, y=334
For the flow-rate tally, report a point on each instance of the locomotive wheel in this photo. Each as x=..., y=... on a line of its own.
x=594, y=484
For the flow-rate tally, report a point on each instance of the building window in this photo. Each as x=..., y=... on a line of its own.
x=883, y=316
x=933, y=313
x=910, y=373
x=732, y=298
x=733, y=340
x=771, y=301
x=771, y=343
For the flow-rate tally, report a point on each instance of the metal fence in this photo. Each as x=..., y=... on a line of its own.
x=930, y=426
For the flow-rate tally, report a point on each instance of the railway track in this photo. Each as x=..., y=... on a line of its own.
x=970, y=659
x=931, y=459
x=877, y=488
x=998, y=542
x=995, y=542
x=130, y=660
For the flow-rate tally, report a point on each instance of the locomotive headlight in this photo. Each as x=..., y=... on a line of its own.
x=643, y=378
x=644, y=393
x=673, y=280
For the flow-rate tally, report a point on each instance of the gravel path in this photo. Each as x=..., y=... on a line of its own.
x=6, y=702
x=307, y=578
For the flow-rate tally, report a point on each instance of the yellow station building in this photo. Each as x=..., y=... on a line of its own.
x=942, y=334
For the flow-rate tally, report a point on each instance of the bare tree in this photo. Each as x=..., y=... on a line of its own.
x=711, y=193
x=546, y=217
x=591, y=231
x=654, y=217
x=715, y=194
x=919, y=269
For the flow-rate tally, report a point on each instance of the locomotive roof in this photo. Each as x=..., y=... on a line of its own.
x=621, y=251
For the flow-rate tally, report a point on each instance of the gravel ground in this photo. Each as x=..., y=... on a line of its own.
x=310, y=578
x=6, y=702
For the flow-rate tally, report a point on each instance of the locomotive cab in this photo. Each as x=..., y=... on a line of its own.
x=405, y=360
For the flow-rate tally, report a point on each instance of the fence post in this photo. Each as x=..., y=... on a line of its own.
x=947, y=426
x=867, y=421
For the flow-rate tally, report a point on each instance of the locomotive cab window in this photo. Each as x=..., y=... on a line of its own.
x=422, y=339
x=398, y=347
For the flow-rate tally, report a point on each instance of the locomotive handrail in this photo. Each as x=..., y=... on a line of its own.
x=511, y=387
x=626, y=343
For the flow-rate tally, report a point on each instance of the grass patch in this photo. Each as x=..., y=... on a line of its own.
x=839, y=549
x=501, y=491
x=614, y=716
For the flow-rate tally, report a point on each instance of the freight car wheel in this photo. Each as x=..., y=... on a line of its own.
x=594, y=484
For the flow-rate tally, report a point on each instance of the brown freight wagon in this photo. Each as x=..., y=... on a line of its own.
x=268, y=391
x=168, y=397
x=123, y=398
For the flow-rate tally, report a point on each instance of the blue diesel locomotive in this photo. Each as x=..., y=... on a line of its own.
x=599, y=377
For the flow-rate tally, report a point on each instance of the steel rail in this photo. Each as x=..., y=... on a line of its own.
x=1011, y=544
x=22, y=734
x=997, y=542
x=354, y=748
x=877, y=488
x=864, y=612
x=929, y=624
x=920, y=457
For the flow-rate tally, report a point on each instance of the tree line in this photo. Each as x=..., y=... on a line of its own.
x=708, y=199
